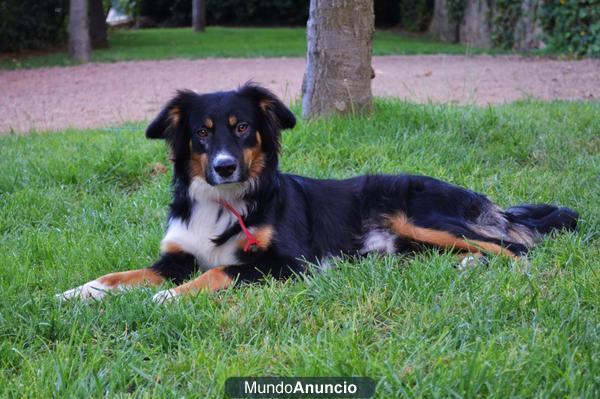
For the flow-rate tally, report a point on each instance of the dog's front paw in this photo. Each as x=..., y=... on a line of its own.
x=92, y=290
x=165, y=296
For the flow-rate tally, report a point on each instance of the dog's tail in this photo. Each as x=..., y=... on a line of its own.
x=543, y=219
x=520, y=227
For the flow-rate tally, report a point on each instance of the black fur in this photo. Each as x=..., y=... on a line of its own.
x=176, y=267
x=543, y=218
x=315, y=219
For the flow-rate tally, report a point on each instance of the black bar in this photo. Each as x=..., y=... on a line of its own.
x=299, y=387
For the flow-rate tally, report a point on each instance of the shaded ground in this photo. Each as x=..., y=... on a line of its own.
x=106, y=94
x=224, y=42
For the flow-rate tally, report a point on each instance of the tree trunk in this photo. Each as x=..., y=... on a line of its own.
x=338, y=71
x=79, y=36
x=475, y=28
x=528, y=31
x=198, y=15
x=441, y=26
x=98, y=27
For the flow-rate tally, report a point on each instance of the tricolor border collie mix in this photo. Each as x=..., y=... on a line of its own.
x=235, y=217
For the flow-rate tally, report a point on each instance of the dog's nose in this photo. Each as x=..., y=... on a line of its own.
x=225, y=166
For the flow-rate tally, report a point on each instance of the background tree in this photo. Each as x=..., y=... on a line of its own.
x=79, y=35
x=32, y=25
x=475, y=28
x=444, y=23
x=198, y=15
x=338, y=71
x=98, y=27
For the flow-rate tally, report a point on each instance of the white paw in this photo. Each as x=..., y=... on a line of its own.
x=468, y=262
x=165, y=296
x=92, y=290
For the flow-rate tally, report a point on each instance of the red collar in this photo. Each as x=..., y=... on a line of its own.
x=251, y=241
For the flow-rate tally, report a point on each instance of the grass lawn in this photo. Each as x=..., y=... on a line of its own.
x=153, y=44
x=78, y=204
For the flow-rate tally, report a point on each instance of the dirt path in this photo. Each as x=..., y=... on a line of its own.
x=96, y=95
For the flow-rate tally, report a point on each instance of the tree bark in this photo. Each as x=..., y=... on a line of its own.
x=79, y=35
x=338, y=71
x=441, y=26
x=528, y=31
x=98, y=27
x=475, y=28
x=198, y=15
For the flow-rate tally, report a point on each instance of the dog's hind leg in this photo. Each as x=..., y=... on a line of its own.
x=402, y=226
x=469, y=260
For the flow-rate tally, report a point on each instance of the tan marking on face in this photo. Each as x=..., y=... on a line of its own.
x=232, y=120
x=198, y=164
x=213, y=280
x=132, y=277
x=209, y=123
x=402, y=226
x=255, y=158
x=170, y=248
x=264, y=236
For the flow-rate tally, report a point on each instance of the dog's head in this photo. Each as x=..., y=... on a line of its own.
x=224, y=137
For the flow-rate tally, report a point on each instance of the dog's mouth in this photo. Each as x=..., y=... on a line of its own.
x=224, y=182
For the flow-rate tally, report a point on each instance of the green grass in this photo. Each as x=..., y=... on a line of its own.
x=154, y=44
x=77, y=204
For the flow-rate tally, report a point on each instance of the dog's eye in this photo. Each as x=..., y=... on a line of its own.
x=241, y=128
x=203, y=132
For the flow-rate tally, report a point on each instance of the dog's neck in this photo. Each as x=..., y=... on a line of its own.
x=201, y=191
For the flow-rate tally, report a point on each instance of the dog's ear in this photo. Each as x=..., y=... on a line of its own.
x=170, y=118
x=270, y=105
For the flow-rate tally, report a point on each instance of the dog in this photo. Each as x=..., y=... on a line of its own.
x=237, y=218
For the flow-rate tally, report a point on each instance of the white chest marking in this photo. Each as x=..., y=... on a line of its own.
x=207, y=221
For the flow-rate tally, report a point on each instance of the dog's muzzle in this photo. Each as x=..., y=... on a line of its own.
x=225, y=169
